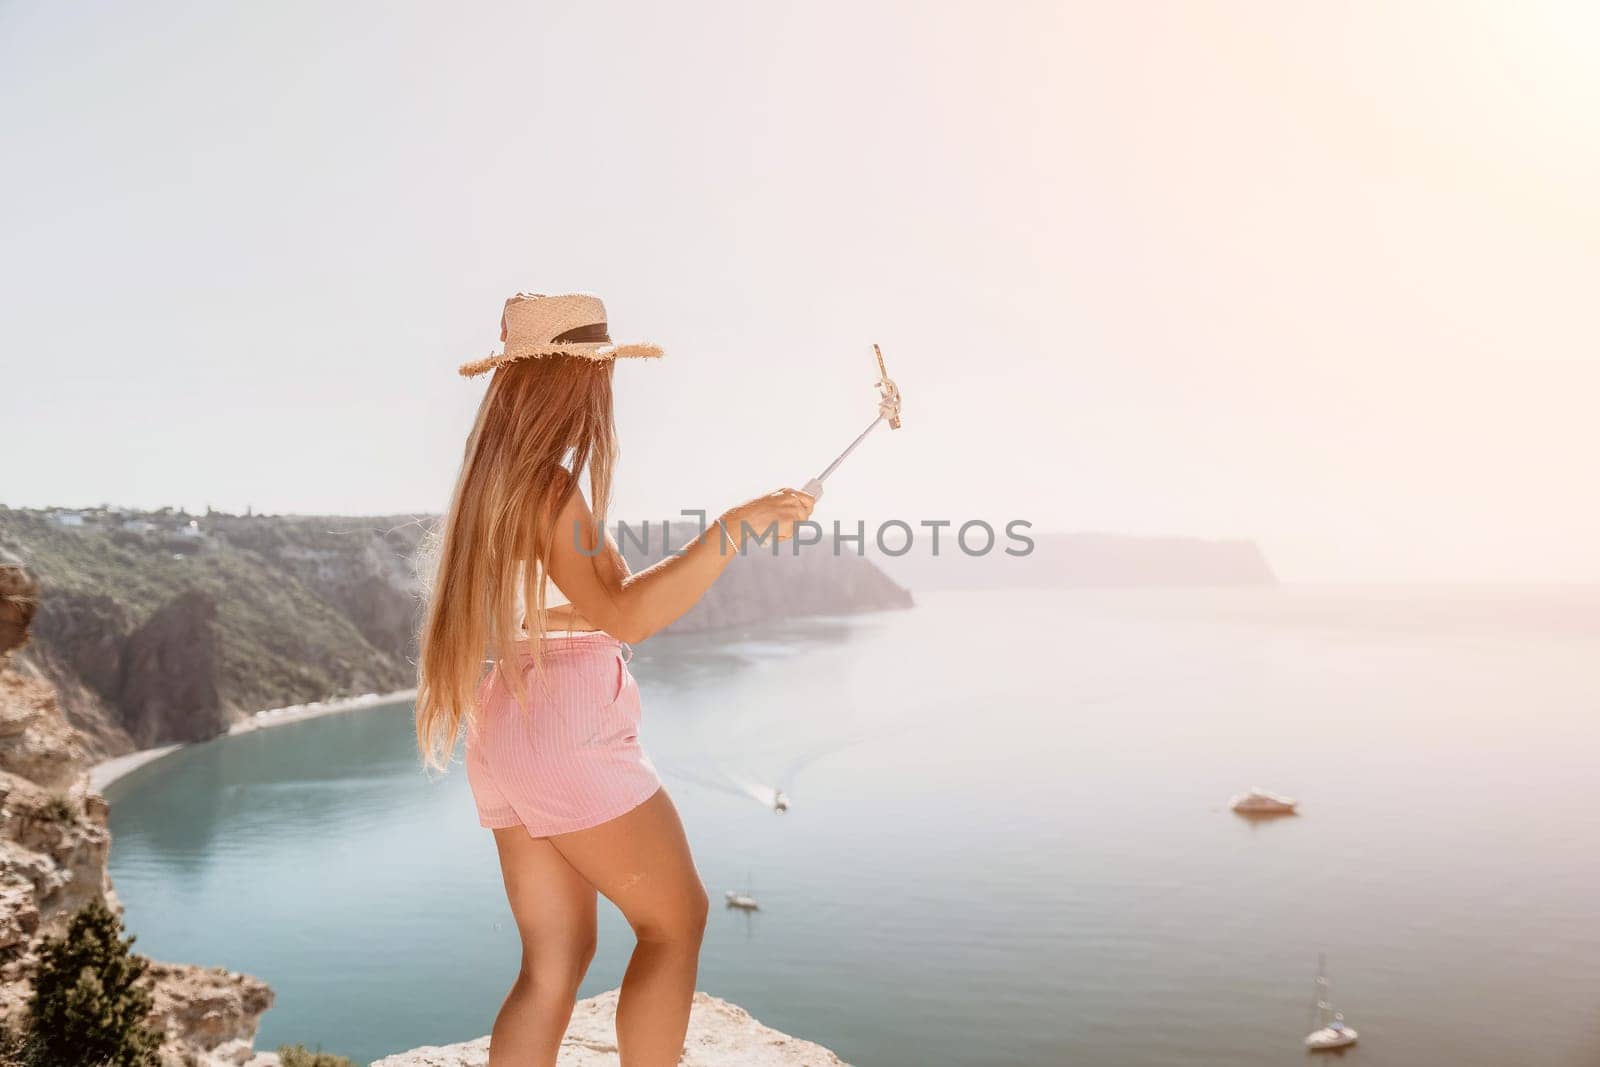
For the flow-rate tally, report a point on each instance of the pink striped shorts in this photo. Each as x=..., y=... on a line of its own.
x=569, y=760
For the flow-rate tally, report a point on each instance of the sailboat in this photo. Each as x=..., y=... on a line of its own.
x=1329, y=1030
x=743, y=900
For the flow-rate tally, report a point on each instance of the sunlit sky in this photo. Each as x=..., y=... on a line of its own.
x=1321, y=275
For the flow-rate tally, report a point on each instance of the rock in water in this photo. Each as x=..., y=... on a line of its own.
x=720, y=1035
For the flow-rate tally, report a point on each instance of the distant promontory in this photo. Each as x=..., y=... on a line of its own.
x=1077, y=561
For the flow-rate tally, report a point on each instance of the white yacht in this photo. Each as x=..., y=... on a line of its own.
x=1335, y=1035
x=1259, y=801
x=780, y=802
x=742, y=901
x=1331, y=1031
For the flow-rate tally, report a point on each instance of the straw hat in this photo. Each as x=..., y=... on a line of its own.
x=573, y=324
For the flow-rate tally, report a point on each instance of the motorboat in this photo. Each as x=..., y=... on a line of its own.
x=1329, y=1031
x=780, y=802
x=1260, y=801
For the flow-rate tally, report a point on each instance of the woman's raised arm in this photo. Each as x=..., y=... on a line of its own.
x=631, y=607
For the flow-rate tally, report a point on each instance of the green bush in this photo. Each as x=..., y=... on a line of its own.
x=88, y=1006
x=298, y=1056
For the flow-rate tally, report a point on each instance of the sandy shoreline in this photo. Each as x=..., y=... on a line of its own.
x=105, y=772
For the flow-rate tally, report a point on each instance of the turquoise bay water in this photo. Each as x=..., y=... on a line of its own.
x=1008, y=841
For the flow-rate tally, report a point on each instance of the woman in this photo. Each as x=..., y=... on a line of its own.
x=552, y=752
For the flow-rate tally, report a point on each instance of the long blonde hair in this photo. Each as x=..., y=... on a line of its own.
x=541, y=423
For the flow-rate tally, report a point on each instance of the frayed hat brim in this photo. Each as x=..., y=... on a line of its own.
x=598, y=352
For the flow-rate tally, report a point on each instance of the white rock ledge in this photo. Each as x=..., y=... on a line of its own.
x=720, y=1035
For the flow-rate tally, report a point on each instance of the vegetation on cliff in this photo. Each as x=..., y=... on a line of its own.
x=300, y=1056
x=89, y=1005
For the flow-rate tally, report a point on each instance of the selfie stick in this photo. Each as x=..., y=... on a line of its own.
x=888, y=411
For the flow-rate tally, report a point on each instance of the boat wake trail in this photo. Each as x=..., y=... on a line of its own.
x=721, y=780
x=718, y=782
x=765, y=795
x=718, y=778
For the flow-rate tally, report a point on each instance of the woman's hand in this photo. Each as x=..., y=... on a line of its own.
x=755, y=519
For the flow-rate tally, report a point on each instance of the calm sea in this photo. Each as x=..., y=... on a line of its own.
x=1009, y=841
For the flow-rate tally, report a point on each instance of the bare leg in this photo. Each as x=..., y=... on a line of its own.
x=641, y=862
x=555, y=911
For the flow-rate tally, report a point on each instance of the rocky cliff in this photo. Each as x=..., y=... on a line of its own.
x=159, y=626
x=720, y=1035
x=53, y=849
x=169, y=678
